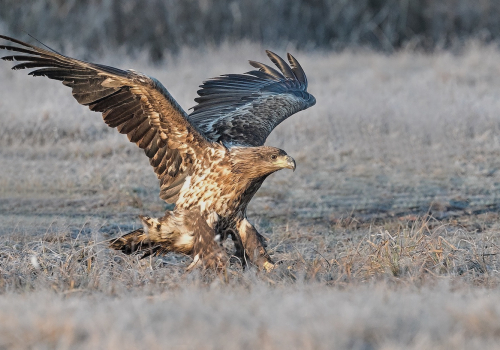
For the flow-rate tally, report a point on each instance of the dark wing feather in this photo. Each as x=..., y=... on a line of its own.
x=278, y=61
x=297, y=69
x=243, y=109
x=135, y=104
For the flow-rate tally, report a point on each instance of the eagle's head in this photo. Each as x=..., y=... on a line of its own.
x=260, y=161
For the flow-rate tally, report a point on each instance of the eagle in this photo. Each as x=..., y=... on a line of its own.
x=210, y=163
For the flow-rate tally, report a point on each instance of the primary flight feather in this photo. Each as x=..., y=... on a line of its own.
x=209, y=163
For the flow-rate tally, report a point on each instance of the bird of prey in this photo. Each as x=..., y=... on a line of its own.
x=210, y=163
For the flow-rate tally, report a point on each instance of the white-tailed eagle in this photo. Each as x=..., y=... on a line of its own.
x=210, y=163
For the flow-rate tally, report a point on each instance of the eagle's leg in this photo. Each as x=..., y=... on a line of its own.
x=185, y=232
x=252, y=243
x=207, y=251
x=158, y=236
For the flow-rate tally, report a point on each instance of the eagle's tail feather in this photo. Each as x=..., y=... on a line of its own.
x=134, y=242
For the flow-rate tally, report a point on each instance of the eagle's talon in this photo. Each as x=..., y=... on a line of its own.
x=268, y=266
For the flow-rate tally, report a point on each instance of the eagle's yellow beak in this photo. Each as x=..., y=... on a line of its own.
x=283, y=162
x=290, y=163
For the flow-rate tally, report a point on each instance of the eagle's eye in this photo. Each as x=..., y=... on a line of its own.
x=274, y=156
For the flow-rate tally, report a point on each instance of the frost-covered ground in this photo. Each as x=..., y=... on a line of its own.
x=387, y=233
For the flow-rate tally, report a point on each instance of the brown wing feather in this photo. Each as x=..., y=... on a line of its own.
x=133, y=103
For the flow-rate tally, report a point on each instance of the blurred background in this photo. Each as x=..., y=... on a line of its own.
x=160, y=26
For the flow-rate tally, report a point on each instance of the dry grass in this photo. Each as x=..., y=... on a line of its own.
x=420, y=285
x=387, y=233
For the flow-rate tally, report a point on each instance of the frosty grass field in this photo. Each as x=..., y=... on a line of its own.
x=387, y=234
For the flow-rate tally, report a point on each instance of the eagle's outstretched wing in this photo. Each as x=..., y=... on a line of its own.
x=243, y=109
x=133, y=103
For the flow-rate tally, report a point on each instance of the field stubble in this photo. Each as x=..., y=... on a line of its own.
x=387, y=233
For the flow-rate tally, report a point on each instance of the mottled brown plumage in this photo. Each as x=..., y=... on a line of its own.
x=209, y=163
